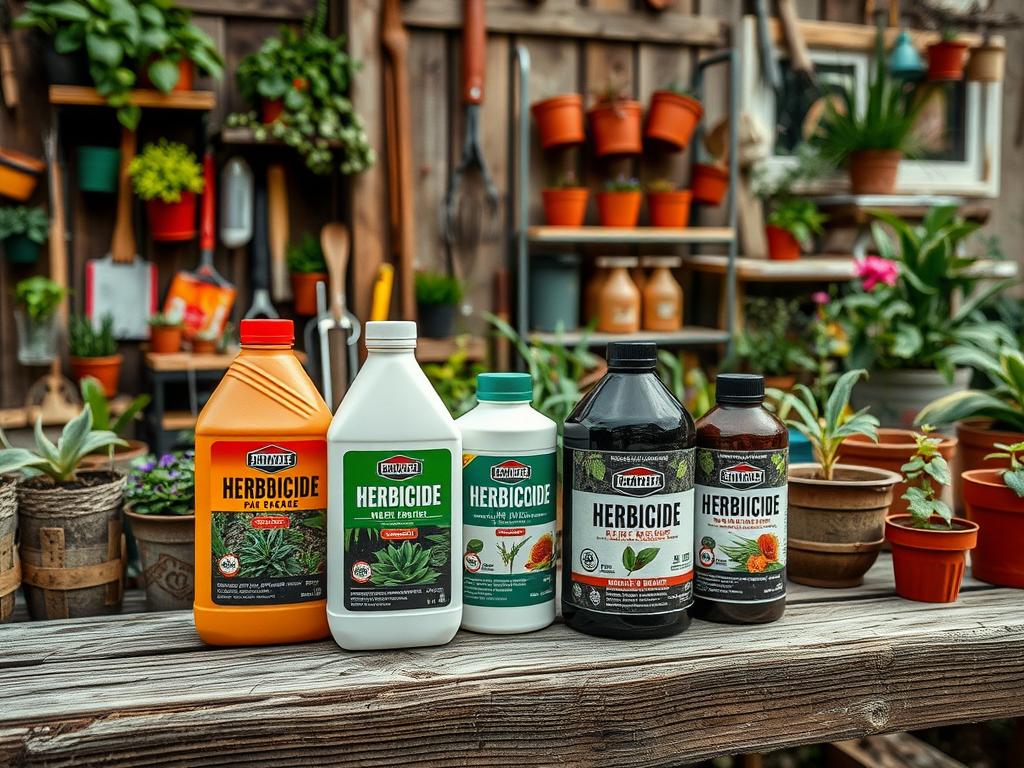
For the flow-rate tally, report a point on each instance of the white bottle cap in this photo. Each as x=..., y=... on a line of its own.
x=391, y=333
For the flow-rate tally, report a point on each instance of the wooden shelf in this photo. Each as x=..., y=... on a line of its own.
x=857, y=210
x=176, y=421
x=439, y=350
x=244, y=137
x=187, y=361
x=75, y=95
x=630, y=235
x=686, y=336
x=817, y=269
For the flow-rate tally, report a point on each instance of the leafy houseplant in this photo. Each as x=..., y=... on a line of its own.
x=122, y=456
x=23, y=229
x=171, y=46
x=667, y=205
x=768, y=343
x=565, y=202
x=308, y=75
x=619, y=204
x=307, y=266
x=36, y=301
x=437, y=296
x=168, y=177
x=165, y=334
x=93, y=352
x=615, y=122
x=673, y=116
x=791, y=226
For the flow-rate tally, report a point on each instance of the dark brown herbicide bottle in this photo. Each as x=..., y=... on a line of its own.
x=741, y=506
x=627, y=533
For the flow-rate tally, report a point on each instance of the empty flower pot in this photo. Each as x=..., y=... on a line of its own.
x=565, y=207
x=999, y=513
x=874, y=171
x=929, y=563
x=172, y=222
x=559, y=120
x=672, y=118
x=946, y=60
x=98, y=169
x=616, y=128
x=19, y=174
x=782, y=246
x=669, y=209
x=709, y=184
x=619, y=209
x=304, y=291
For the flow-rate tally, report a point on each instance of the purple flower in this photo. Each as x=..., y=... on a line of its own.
x=820, y=297
x=146, y=466
x=166, y=460
x=174, y=474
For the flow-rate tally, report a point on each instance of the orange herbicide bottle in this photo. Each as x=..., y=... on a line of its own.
x=261, y=498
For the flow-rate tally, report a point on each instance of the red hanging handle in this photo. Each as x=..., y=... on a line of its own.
x=474, y=51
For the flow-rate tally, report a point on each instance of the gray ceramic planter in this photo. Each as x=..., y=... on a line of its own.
x=167, y=551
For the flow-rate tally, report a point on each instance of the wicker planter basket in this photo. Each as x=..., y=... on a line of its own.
x=10, y=567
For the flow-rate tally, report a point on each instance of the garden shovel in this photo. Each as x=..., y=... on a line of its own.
x=261, y=305
x=339, y=328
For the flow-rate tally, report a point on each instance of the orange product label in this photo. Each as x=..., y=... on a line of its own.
x=202, y=305
x=264, y=476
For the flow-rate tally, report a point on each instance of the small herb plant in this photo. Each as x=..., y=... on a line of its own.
x=679, y=89
x=24, y=220
x=164, y=486
x=925, y=466
x=622, y=183
x=508, y=553
x=661, y=185
x=567, y=180
x=39, y=297
x=436, y=289
x=801, y=218
x=270, y=553
x=1014, y=476
x=86, y=341
x=92, y=394
x=160, y=320
x=768, y=342
x=165, y=170
x=612, y=96
x=306, y=256
x=827, y=430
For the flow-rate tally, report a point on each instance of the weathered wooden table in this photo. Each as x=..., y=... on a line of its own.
x=140, y=690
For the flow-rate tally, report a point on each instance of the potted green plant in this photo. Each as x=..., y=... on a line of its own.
x=36, y=300
x=836, y=511
x=168, y=177
x=559, y=120
x=307, y=266
x=10, y=564
x=93, y=352
x=300, y=80
x=437, y=297
x=565, y=202
x=23, y=230
x=995, y=501
x=667, y=205
x=160, y=505
x=165, y=334
x=929, y=546
x=118, y=457
x=770, y=343
x=946, y=58
x=673, y=116
x=68, y=516
x=615, y=122
x=619, y=204
x=172, y=48
x=790, y=226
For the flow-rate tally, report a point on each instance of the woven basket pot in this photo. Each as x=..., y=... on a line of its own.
x=10, y=567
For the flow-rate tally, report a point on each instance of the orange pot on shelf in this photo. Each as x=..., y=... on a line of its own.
x=19, y=174
x=559, y=120
x=106, y=370
x=946, y=60
x=929, y=564
x=204, y=346
x=619, y=209
x=874, y=171
x=616, y=128
x=709, y=184
x=304, y=291
x=673, y=118
x=975, y=440
x=165, y=339
x=782, y=246
x=565, y=207
x=186, y=76
x=669, y=209
x=270, y=109
x=999, y=513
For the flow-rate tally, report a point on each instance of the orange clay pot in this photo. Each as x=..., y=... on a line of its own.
x=709, y=184
x=669, y=209
x=565, y=207
x=616, y=128
x=559, y=120
x=19, y=174
x=946, y=60
x=673, y=118
x=164, y=339
x=874, y=171
x=304, y=291
x=782, y=246
x=929, y=564
x=999, y=513
x=619, y=209
x=106, y=370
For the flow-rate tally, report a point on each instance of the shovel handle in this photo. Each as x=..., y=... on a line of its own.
x=474, y=51
x=260, y=244
x=206, y=239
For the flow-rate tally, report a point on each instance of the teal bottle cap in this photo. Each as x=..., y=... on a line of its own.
x=504, y=387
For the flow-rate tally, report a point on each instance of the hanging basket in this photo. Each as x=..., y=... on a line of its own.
x=946, y=60
x=10, y=565
x=709, y=184
x=986, y=64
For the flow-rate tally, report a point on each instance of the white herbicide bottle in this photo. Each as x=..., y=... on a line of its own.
x=509, y=496
x=394, y=522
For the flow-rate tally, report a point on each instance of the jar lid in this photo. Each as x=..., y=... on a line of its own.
x=265, y=331
x=390, y=333
x=632, y=354
x=504, y=387
x=739, y=388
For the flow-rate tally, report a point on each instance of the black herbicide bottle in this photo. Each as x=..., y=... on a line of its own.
x=741, y=506
x=628, y=475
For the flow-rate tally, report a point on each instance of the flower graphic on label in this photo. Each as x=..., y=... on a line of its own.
x=752, y=556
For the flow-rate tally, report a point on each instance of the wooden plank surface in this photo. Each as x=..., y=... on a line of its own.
x=271, y=9
x=812, y=269
x=76, y=95
x=633, y=235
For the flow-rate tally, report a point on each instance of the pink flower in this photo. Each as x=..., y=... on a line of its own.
x=874, y=270
x=820, y=297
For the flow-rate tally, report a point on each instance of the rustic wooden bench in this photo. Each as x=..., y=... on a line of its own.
x=139, y=690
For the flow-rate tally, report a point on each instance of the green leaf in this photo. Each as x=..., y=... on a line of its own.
x=1014, y=480
x=645, y=556
x=840, y=397
x=72, y=439
x=129, y=414
x=629, y=559
x=939, y=469
x=47, y=449
x=164, y=74
x=16, y=459
x=104, y=50
x=68, y=10
x=94, y=397
x=475, y=546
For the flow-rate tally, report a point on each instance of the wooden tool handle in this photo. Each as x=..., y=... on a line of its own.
x=277, y=199
x=334, y=240
x=206, y=217
x=800, y=59
x=9, y=80
x=122, y=245
x=474, y=51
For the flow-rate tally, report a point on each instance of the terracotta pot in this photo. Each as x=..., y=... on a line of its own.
x=165, y=339
x=304, y=291
x=836, y=527
x=874, y=171
x=785, y=383
x=976, y=439
x=19, y=174
x=672, y=118
x=946, y=60
x=172, y=222
x=986, y=64
x=929, y=564
x=669, y=209
x=270, y=109
x=122, y=460
x=782, y=246
x=186, y=76
x=167, y=551
x=999, y=513
x=616, y=128
x=709, y=184
x=559, y=120
x=619, y=209
x=204, y=346
x=106, y=370
x=565, y=207
x=894, y=448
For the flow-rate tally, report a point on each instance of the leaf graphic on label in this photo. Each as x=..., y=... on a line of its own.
x=681, y=469
x=707, y=463
x=779, y=461
x=645, y=556
x=596, y=468
x=475, y=546
x=629, y=559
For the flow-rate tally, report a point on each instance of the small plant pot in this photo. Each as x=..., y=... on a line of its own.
x=616, y=128
x=709, y=184
x=672, y=119
x=270, y=109
x=946, y=60
x=164, y=339
x=98, y=168
x=204, y=346
x=986, y=64
x=37, y=341
x=976, y=439
x=122, y=459
x=619, y=209
x=554, y=291
x=782, y=246
x=669, y=209
x=874, y=171
x=20, y=249
x=559, y=120
x=565, y=207
x=167, y=552
x=929, y=564
x=304, y=291
x=436, y=321
x=999, y=513
x=19, y=174
x=64, y=68
x=106, y=370
x=186, y=76
x=172, y=222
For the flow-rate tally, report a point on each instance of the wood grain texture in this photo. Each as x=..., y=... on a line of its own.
x=271, y=9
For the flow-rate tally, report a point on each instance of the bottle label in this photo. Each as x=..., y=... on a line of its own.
x=398, y=529
x=632, y=531
x=740, y=529
x=509, y=530
x=268, y=529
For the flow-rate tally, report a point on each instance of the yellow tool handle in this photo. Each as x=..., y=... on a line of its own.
x=382, y=293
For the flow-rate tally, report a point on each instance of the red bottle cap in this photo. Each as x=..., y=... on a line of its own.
x=259, y=331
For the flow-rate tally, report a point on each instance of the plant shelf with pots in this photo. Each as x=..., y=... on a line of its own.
x=691, y=335
x=82, y=96
x=245, y=137
x=630, y=235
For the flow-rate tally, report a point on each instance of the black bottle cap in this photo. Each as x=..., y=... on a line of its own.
x=632, y=354
x=739, y=388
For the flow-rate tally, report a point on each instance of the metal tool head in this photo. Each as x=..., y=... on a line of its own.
x=261, y=306
x=468, y=220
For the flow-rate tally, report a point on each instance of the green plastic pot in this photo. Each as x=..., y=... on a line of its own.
x=98, y=169
x=18, y=249
x=555, y=291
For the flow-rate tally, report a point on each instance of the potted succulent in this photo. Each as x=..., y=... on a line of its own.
x=673, y=116
x=300, y=80
x=172, y=48
x=946, y=58
x=559, y=120
x=68, y=516
x=98, y=169
x=615, y=122
x=23, y=231
x=437, y=297
x=307, y=266
x=709, y=182
x=790, y=226
x=10, y=564
x=836, y=511
x=117, y=457
x=165, y=334
x=93, y=352
x=36, y=300
x=160, y=505
x=929, y=546
x=995, y=501
x=565, y=202
x=619, y=204
x=769, y=343
x=168, y=177
x=667, y=205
